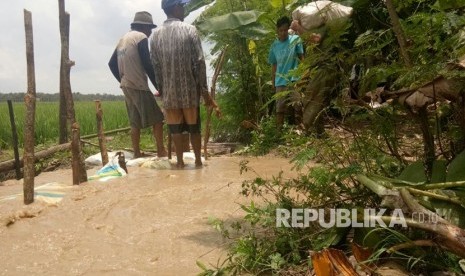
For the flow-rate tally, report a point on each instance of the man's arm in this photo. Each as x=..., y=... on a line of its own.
x=113, y=64
x=144, y=54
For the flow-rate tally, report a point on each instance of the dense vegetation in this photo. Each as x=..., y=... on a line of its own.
x=407, y=153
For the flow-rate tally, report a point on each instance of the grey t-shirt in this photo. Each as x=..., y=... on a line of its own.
x=131, y=70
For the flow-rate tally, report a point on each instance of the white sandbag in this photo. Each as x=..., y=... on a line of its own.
x=96, y=159
x=318, y=13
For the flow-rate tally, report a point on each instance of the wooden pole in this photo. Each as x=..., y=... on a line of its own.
x=15, y=140
x=30, y=101
x=79, y=171
x=65, y=83
x=75, y=148
x=101, y=135
x=63, y=118
x=218, y=68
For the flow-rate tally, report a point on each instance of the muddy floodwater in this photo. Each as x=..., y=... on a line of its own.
x=151, y=222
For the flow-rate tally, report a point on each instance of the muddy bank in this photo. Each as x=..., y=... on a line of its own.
x=152, y=222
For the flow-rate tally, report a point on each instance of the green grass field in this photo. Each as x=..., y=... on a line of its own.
x=46, y=127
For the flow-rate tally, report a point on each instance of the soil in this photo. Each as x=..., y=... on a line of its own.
x=151, y=222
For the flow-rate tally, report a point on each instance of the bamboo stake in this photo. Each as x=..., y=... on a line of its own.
x=14, y=133
x=210, y=109
x=101, y=135
x=30, y=101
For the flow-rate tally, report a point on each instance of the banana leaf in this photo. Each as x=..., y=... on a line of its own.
x=195, y=5
x=415, y=172
x=230, y=21
x=282, y=4
x=456, y=169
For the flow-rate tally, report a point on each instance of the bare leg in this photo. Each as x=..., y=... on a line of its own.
x=177, y=139
x=135, y=138
x=157, y=130
x=196, y=142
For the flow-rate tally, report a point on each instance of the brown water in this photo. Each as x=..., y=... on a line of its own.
x=152, y=222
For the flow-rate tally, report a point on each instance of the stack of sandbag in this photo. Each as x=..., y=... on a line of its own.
x=318, y=13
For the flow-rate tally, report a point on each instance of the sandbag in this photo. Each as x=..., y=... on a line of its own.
x=318, y=13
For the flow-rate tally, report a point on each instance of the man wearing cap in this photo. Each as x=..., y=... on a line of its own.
x=180, y=71
x=130, y=64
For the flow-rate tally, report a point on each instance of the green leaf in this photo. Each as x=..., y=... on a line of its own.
x=456, y=169
x=195, y=5
x=449, y=4
x=330, y=237
x=201, y=265
x=280, y=4
x=415, y=172
x=230, y=21
x=366, y=237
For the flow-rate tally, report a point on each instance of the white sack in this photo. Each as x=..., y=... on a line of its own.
x=318, y=13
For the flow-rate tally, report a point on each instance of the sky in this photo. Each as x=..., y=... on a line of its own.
x=95, y=28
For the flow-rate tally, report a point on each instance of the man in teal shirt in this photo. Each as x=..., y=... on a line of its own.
x=285, y=54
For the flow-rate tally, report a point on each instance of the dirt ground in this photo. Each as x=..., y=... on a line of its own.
x=151, y=222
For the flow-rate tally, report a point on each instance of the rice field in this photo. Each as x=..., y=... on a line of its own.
x=46, y=127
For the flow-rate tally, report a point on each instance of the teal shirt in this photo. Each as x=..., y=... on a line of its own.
x=285, y=54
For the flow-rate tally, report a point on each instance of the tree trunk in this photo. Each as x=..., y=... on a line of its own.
x=399, y=32
x=101, y=135
x=30, y=101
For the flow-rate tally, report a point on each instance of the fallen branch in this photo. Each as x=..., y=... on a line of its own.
x=406, y=245
x=10, y=164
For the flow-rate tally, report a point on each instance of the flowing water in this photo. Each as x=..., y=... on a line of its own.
x=151, y=222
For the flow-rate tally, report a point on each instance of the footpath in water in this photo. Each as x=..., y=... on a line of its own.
x=150, y=222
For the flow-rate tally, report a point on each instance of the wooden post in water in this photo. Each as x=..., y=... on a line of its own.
x=65, y=83
x=14, y=135
x=101, y=135
x=30, y=101
x=75, y=150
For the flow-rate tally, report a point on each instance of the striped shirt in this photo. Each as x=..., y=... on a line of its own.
x=180, y=70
